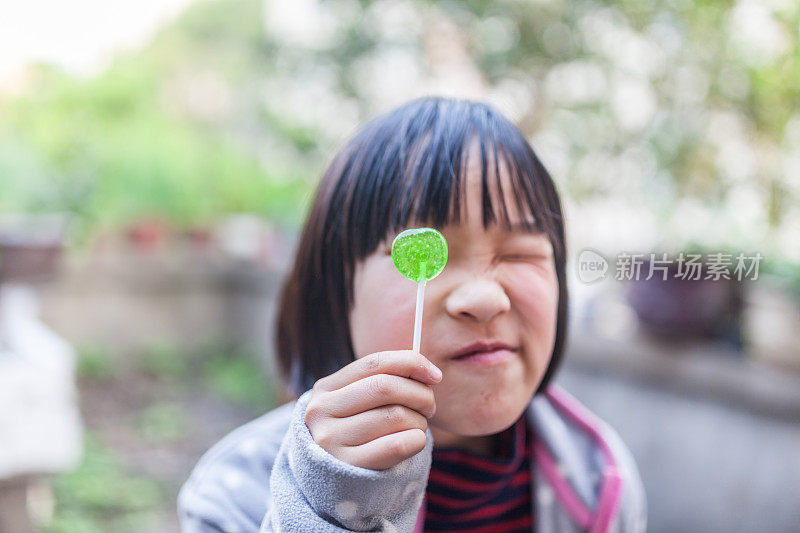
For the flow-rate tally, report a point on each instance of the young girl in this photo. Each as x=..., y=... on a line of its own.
x=471, y=434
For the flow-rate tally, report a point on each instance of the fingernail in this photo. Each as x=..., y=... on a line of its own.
x=435, y=372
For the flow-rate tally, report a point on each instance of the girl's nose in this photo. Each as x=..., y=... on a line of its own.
x=478, y=299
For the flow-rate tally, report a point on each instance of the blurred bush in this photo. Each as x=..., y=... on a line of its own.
x=102, y=494
x=121, y=146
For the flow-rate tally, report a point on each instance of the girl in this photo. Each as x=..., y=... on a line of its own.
x=469, y=435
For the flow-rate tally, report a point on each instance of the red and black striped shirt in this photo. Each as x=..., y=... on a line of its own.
x=472, y=492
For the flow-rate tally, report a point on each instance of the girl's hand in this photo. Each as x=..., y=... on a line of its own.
x=373, y=412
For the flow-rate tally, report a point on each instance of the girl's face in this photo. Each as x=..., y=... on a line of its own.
x=499, y=287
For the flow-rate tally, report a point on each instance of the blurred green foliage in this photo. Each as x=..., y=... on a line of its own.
x=165, y=361
x=236, y=377
x=95, y=363
x=113, y=148
x=231, y=373
x=105, y=493
x=110, y=154
x=102, y=495
x=163, y=422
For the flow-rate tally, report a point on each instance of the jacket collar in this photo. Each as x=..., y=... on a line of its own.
x=574, y=457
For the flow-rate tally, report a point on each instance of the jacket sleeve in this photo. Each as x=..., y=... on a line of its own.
x=311, y=490
x=228, y=488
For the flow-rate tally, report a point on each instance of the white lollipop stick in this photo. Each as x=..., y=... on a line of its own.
x=418, y=314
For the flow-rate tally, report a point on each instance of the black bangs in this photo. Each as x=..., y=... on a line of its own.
x=410, y=167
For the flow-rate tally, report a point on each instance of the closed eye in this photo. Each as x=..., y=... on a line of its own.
x=525, y=257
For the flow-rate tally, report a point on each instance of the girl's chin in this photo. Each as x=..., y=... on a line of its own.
x=472, y=424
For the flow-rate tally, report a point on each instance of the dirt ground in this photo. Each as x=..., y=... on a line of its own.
x=157, y=428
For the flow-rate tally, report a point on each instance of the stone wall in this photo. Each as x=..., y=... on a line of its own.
x=125, y=301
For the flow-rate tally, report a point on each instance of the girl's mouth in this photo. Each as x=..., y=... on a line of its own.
x=484, y=353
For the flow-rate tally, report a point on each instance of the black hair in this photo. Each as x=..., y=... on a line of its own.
x=406, y=166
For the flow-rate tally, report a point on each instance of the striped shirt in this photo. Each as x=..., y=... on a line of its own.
x=472, y=492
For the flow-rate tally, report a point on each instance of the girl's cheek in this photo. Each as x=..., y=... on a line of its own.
x=383, y=314
x=533, y=292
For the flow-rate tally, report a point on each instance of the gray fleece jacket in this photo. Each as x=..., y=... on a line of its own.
x=271, y=476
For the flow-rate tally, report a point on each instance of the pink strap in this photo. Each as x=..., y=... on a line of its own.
x=611, y=488
x=609, y=500
x=582, y=418
x=574, y=506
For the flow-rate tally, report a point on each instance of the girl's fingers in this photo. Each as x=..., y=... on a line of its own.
x=371, y=413
x=370, y=425
x=379, y=390
x=405, y=363
x=386, y=451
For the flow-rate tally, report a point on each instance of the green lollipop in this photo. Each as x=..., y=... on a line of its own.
x=420, y=255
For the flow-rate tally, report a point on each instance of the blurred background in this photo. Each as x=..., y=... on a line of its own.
x=157, y=159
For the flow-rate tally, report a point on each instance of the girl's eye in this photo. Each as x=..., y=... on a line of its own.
x=525, y=258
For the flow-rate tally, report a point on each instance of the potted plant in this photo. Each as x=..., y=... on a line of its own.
x=688, y=296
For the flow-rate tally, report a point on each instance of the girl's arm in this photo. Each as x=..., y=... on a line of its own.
x=311, y=490
x=272, y=474
x=229, y=487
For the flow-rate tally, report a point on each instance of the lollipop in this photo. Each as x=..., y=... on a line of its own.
x=420, y=255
